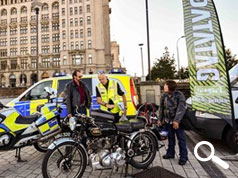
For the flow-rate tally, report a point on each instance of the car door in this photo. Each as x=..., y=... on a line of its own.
x=34, y=97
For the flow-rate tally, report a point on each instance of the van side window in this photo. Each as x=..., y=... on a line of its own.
x=61, y=86
x=37, y=92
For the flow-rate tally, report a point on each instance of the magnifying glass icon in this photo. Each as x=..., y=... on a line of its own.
x=212, y=156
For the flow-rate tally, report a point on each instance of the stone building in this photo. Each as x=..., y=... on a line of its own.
x=73, y=34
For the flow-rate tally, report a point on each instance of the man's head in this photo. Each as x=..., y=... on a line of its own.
x=102, y=78
x=169, y=86
x=77, y=75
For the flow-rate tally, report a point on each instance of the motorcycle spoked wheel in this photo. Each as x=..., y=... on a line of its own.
x=144, y=148
x=65, y=160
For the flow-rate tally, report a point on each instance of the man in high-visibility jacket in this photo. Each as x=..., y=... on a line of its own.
x=108, y=96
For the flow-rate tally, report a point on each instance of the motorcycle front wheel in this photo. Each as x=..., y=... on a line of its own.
x=65, y=160
x=143, y=145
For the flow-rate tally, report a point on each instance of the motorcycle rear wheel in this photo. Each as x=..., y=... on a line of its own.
x=43, y=146
x=65, y=160
x=143, y=143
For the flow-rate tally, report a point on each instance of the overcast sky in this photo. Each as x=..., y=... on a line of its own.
x=128, y=28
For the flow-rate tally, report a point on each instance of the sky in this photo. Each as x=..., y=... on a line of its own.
x=166, y=23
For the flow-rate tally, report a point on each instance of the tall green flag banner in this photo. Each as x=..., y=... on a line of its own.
x=208, y=75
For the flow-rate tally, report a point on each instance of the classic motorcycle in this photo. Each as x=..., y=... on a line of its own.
x=108, y=146
x=38, y=129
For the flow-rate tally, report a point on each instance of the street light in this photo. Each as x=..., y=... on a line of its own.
x=178, y=57
x=37, y=5
x=148, y=37
x=142, y=64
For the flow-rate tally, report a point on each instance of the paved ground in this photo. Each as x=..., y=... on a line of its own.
x=9, y=168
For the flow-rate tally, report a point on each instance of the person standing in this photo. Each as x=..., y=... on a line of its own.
x=108, y=94
x=77, y=95
x=171, y=111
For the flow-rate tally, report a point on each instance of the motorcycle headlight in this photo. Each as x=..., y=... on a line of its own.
x=72, y=123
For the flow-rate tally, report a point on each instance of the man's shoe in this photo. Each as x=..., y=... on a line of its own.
x=167, y=157
x=182, y=162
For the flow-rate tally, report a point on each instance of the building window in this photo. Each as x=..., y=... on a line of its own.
x=77, y=59
x=88, y=8
x=81, y=33
x=44, y=27
x=55, y=16
x=88, y=20
x=46, y=62
x=23, y=50
x=13, y=64
x=71, y=23
x=3, y=32
x=23, y=19
x=13, y=11
x=3, y=42
x=23, y=10
x=33, y=63
x=33, y=50
x=45, y=16
x=64, y=60
x=89, y=32
x=45, y=49
x=33, y=39
x=72, y=45
x=3, y=65
x=81, y=21
x=13, y=51
x=33, y=29
x=56, y=48
x=90, y=58
x=12, y=80
x=13, y=20
x=45, y=7
x=3, y=52
x=56, y=37
x=89, y=44
x=64, y=46
x=76, y=45
x=23, y=40
x=63, y=23
x=33, y=17
x=13, y=41
x=23, y=63
x=23, y=30
x=76, y=33
x=45, y=38
x=70, y=1
x=55, y=26
x=63, y=11
x=81, y=44
x=56, y=61
x=76, y=22
x=55, y=6
x=80, y=9
x=75, y=10
x=71, y=34
x=64, y=34
x=63, y=1
x=71, y=11
x=13, y=31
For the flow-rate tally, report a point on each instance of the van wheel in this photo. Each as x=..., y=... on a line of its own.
x=230, y=139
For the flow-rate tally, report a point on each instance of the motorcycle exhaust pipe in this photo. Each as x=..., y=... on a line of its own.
x=58, y=131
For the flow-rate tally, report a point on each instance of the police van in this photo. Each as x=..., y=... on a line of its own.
x=35, y=96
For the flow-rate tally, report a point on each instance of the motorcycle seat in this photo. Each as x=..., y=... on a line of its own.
x=124, y=126
x=26, y=119
x=137, y=124
x=130, y=125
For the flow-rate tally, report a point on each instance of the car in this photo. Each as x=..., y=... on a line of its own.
x=215, y=127
x=35, y=96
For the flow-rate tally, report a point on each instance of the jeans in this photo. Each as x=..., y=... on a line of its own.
x=181, y=141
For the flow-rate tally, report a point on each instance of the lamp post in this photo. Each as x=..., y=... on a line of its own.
x=37, y=5
x=142, y=64
x=148, y=37
x=178, y=56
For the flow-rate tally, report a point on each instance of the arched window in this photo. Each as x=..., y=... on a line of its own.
x=23, y=79
x=3, y=12
x=33, y=78
x=3, y=81
x=12, y=80
x=23, y=10
x=13, y=11
x=45, y=7
x=55, y=5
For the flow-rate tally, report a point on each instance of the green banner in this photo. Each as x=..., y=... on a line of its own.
x=209, y=83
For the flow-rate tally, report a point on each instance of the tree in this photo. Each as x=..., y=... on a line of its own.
x=231, y=59
x=164, y=68
x=183, y=72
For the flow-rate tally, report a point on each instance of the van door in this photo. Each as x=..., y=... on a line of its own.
x=36, y=96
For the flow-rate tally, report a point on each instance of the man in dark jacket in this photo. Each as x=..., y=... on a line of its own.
x=171, y=111
x=77, y=95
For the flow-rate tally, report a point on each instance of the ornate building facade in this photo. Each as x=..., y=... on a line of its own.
x=73, y=34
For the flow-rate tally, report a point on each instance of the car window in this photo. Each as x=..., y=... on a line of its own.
x=61, y=86
x=38, y=91
x=88, y=81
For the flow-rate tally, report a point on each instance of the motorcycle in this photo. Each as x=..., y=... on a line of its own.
x=108, y=146
x=17, y=131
